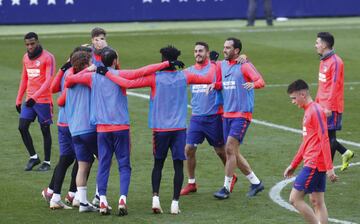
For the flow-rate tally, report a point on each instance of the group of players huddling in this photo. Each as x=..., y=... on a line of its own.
x=93, y=120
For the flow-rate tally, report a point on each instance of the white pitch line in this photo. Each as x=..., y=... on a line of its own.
x=312, y=84
x=168, y=31
x=275, y=195
x=265, y=123
x=298, y=131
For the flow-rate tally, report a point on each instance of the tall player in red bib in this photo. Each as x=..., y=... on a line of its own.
x=37, y=72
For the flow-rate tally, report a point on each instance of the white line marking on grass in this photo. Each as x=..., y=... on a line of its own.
x=265, y=123
x=275, y=195
x=266, y=30
x=285, y=128
x=64, y=33
x=312, y=84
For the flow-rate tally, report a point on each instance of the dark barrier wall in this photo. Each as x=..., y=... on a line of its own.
x=68, y=11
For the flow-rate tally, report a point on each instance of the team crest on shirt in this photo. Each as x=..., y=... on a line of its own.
x=37, y=63
x=325, y=68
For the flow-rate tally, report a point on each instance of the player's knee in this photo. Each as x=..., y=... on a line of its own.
x=66, y=160
x=23, y=127
x=45, y=128
x=190, y=151
x=316, y=203
x=178, y=167
x=229, y=151
x=333, y=143
x=292, y=200
x=220, y=152
x=124, y=167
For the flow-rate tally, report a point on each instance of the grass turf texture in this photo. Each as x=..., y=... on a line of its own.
x=281, y=53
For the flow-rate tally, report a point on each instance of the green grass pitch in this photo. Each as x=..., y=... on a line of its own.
x=281, y=53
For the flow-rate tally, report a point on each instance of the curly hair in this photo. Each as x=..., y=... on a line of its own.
x=80, y=60
x=170, y=53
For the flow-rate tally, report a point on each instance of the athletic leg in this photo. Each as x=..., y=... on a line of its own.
x=45, y=130
x=24, y=125
x=251, y=13
x=318, y=202
x=297, y=200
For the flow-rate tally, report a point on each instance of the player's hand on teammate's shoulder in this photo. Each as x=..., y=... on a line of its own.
x=66, y=66
x=92, y=68
x=176, y=63
x=242, y=59
x=101, y=70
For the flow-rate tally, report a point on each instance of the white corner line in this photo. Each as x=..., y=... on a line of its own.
x=275, y=195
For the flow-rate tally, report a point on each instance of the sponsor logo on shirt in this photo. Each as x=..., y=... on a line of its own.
x=322, y=77
x=229, y=85
x=33, y=72
x=37, y=63
x=304, y=131
x=199, y=88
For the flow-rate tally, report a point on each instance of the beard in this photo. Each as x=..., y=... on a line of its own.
x=36, y=53
x=200, y=60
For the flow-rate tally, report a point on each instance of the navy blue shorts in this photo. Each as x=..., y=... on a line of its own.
x=334, y=122
x=310, y=180
x=175, y=140
x=43, y=111
x=85, y=147
x=209, y=127
x=66, y=146
x=235, y=127
x=117, y=142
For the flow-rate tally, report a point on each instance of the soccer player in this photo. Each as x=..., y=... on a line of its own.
x=315, y=151
x=111, y=117
x=98, y=42
x=238, y=84
x=330, y=94
x=167, y=117
x=38, y=69
x=67, y=153
x=77, y=109
x=206, y=120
